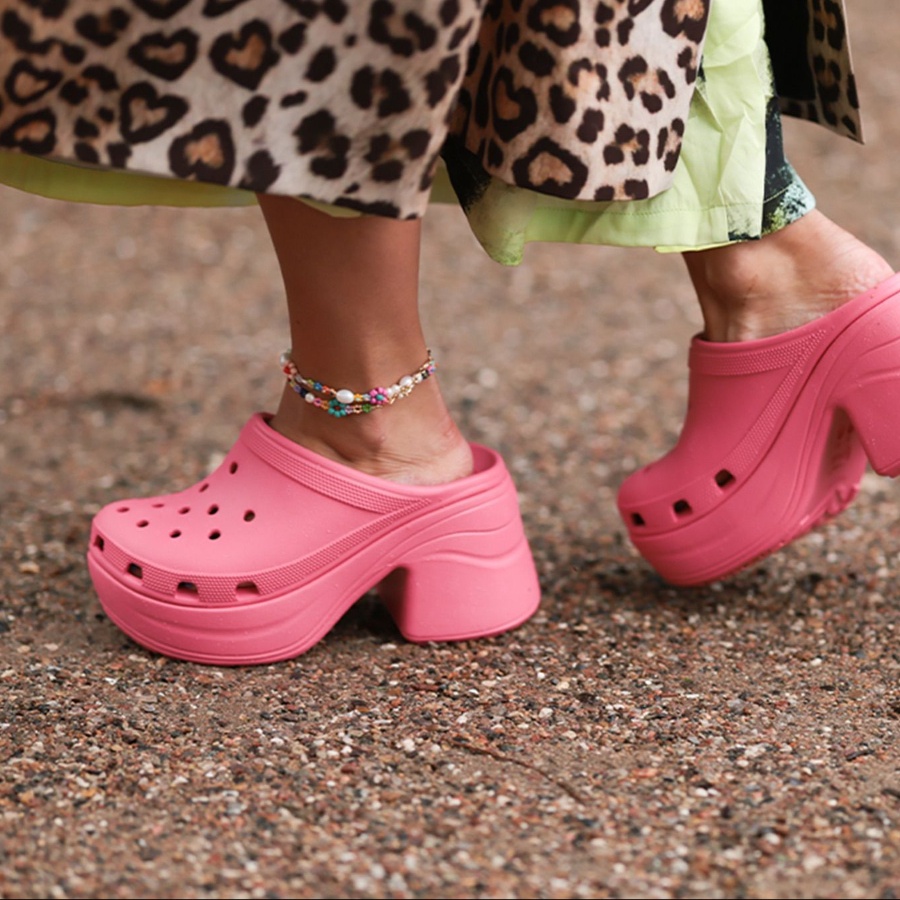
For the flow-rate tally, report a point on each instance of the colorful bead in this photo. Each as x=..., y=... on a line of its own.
x=344, y=402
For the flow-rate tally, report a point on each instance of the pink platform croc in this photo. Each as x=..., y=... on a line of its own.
x=258, y=561
x=775, y=441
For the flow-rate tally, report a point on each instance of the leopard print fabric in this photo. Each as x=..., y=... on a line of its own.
x=350, y=101
x=810, y=52
x=582, y=100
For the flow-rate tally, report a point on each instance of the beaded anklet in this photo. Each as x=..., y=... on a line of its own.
x=344, y=402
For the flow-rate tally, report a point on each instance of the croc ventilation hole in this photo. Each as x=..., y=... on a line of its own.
x=681, y=508
x=99, y=543
x=175, y=534
x=143, y=523
x=135, y=570
x=204, y=487
x=212, y=510
x=215, y=535
x=247, y=589
x=724, y=478
x=249, y=516
x=232, y=468
x=184, y=510
x=188, y=588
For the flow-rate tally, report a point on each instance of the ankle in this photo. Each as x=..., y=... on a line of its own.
x=787, y=279
x=414, y=441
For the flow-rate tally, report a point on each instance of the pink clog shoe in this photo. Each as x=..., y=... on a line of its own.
x=775, y=441
x=258, y=561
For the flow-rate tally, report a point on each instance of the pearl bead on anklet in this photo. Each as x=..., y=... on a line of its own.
x=344, y=402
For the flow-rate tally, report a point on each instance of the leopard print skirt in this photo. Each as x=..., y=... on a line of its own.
x=353, y=102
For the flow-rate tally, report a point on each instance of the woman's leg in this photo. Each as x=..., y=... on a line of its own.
x=352, y=295
x=782, y=281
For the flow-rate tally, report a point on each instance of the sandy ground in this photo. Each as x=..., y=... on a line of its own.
x=632, y=740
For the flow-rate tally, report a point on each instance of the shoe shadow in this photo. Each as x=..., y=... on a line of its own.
x=367, y=618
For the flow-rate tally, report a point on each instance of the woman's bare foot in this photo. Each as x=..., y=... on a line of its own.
x=762, y=288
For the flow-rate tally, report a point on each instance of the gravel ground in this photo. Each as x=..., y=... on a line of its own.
x=632, y=740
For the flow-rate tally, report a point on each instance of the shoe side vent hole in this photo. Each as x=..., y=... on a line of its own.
x=99, y=543
x=247, y=589
x=135, y=570
x=724, y=478
x=187, y=587
x=682, y=508
x=249, y=516
x=637, y=519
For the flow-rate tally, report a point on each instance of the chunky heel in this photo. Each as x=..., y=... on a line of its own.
x=457, y=597
x=874, y=409
x=871, y=396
